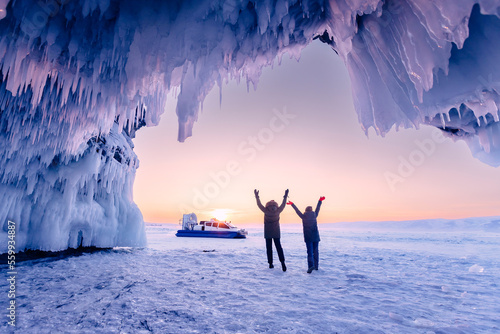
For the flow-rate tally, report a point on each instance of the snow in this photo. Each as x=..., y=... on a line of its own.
x=476, y=269
x=368, y=282
x=74, y=72
x=464, y=225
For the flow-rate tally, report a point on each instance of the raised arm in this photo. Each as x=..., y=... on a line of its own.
x=282, y=206
x=259, y=204
x=300, y=214
x=321, y=199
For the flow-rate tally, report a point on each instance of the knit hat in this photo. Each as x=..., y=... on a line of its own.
x=309, y=208
x=271, y=202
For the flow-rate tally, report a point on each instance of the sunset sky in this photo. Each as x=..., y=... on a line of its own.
x=299, y=130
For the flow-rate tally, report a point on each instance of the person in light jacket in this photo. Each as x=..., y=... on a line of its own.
x=272, y=228
x=311, y=233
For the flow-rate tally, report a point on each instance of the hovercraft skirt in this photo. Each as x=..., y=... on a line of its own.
x=210, y=234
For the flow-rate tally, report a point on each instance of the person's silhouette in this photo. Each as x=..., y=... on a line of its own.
x=272, y=228
x=311, y=233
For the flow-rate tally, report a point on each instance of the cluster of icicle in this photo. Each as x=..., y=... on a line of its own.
x=79, y=77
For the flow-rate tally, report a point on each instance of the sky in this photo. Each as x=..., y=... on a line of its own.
x=299, y=131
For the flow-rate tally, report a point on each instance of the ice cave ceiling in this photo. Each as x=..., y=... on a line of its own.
x=79, y=77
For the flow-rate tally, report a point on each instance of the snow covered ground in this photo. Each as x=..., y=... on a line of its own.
x=370, y=281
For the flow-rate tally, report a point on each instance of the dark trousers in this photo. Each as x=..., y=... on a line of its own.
x=312, y=254
x=279, y=249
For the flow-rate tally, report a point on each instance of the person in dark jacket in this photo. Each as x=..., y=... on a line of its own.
x=311, y=233
x=272, y=228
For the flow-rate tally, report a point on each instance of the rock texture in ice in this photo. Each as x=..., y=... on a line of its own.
x=79, y=78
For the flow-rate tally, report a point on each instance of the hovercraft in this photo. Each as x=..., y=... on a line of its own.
x=208, y=229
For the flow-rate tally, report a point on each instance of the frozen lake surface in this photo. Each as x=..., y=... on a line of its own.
x=369, y=281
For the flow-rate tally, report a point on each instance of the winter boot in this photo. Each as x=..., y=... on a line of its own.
x=271, y=266
x=283, y=266
x=310, y=270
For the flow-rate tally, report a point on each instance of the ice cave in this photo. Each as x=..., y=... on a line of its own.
x=78, y=78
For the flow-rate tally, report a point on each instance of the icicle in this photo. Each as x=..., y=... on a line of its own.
x=443, y=123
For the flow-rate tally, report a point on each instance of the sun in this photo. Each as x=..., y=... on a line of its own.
x=220, y=214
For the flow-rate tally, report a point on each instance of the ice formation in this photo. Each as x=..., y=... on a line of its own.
x=78, y=79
